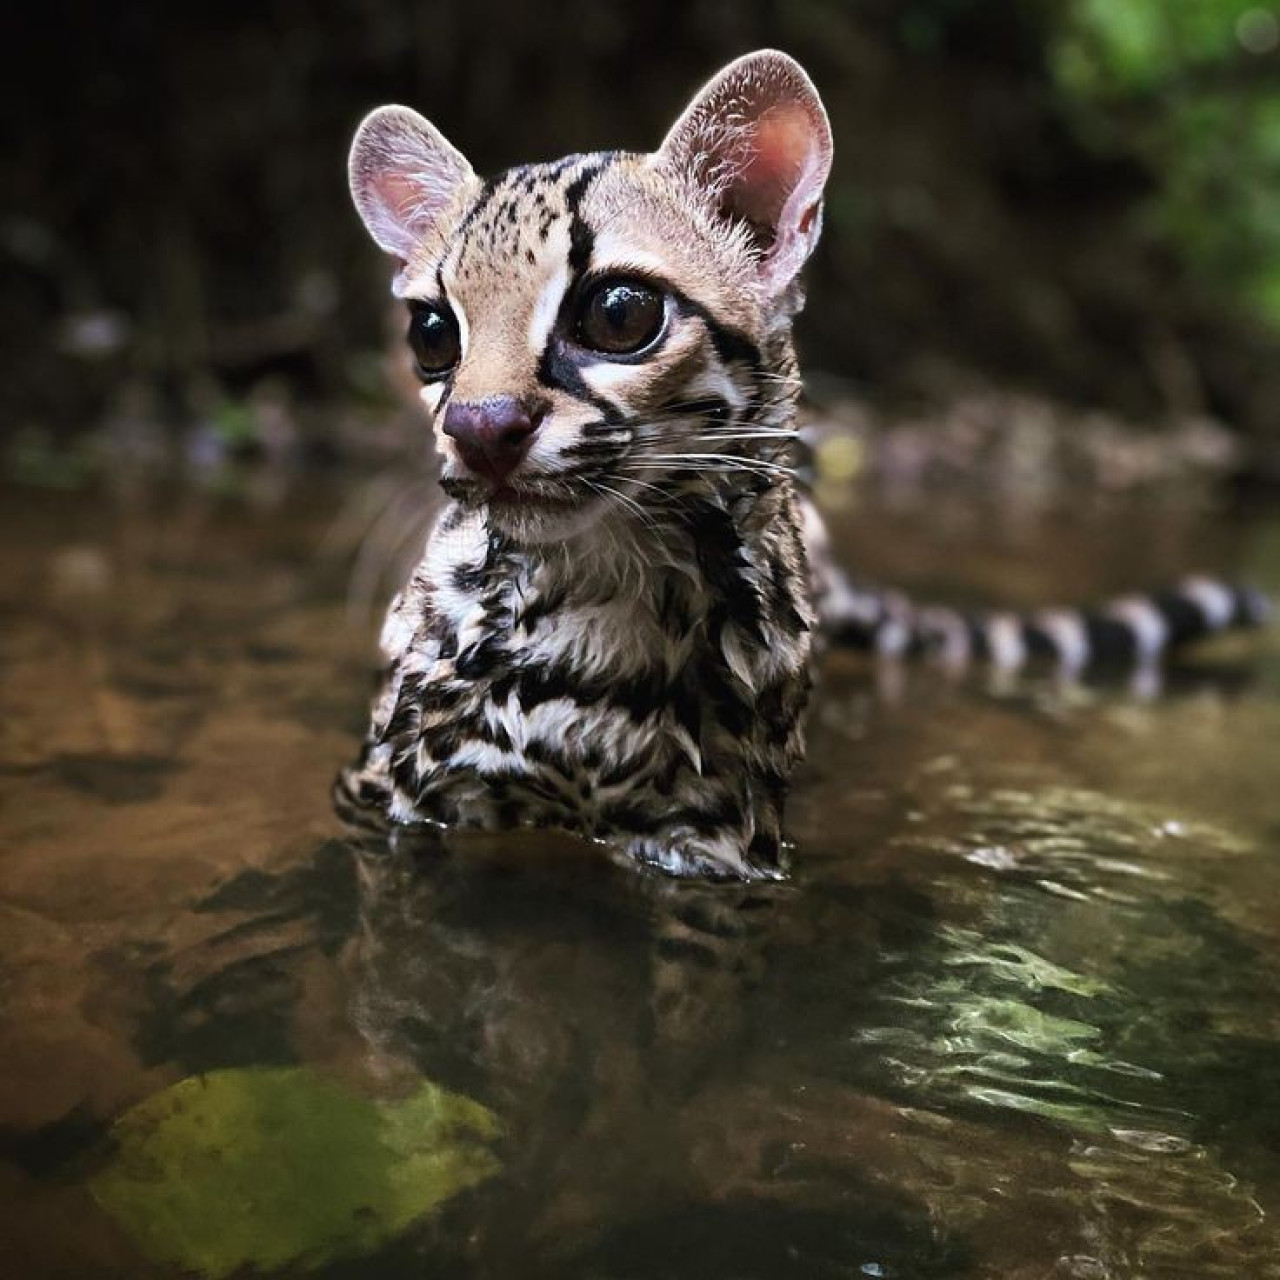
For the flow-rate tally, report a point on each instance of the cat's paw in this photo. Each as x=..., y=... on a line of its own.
x=722, y=857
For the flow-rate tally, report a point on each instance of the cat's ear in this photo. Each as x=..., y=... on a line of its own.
x=756, y=146
x=403, y=172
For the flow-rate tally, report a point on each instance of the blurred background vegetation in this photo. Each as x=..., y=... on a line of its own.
x=1077, y=200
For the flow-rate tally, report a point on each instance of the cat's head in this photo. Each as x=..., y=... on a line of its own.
x=592, y=333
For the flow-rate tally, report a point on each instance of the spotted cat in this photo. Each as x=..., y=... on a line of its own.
x=613, y=625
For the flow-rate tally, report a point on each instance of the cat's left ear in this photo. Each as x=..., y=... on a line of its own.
x=755, y=144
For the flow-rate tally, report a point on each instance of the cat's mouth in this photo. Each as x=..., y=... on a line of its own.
x=522, y=497
x=515, y=494
x=546, y=512
x=531, y=509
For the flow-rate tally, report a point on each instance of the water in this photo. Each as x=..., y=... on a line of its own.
x=1016, y=1015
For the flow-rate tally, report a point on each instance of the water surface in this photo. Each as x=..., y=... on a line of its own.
x=1016, y=1014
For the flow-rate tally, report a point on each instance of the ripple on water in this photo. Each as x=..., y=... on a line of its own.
x=1067, y=1012
x=1083, y=845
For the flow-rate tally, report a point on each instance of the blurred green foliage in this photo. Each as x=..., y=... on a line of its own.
x=1195, y=87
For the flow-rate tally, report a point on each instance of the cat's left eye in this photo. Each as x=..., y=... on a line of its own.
x=619, y=316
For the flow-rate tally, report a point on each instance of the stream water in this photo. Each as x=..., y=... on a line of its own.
x=1015, y=1015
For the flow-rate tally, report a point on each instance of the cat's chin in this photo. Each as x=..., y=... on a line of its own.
x=540, y=520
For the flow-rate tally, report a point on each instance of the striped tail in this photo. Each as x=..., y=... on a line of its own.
x=1129, y=632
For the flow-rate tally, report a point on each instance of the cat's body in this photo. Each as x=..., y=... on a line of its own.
x=613, y=625
x=602, y=692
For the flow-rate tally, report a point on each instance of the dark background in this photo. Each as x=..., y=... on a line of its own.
x=1071, y=197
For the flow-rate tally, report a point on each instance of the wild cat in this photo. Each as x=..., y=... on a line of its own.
x=613, y=625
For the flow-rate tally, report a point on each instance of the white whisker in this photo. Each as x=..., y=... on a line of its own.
x=628, y=502
x=728, y=461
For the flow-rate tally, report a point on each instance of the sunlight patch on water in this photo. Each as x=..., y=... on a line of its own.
x=1012, y=963
x=992, y=1036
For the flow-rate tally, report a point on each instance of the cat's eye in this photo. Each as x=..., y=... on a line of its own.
x=619, y=317
x=433, y=338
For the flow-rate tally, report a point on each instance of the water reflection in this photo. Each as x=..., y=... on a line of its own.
x=609, y=1020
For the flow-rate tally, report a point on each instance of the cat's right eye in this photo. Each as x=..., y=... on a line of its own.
x=619, y=316
x=434, y=340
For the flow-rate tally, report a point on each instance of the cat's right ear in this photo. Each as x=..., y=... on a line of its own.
x=403, y=172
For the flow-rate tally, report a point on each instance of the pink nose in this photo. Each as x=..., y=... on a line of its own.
x=492, y=436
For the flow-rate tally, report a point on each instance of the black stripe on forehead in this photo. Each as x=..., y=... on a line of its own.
x=554, y=368
x=506, y=184
x=538, y=182
x=487, y=192
x=581, y=237
x=556, y=170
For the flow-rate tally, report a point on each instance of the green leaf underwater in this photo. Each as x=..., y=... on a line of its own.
x=265, y=1167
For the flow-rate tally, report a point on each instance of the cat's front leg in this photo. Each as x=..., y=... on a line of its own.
x=717, y=836
x=725, y=856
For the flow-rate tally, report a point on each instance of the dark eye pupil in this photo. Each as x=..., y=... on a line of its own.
x=619, y=306
x=620, y=316
x=433, y=337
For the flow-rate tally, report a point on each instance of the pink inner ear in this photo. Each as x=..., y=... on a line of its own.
x=401, y=196
x=781, y=144
x=755, y=145
x=779, y=151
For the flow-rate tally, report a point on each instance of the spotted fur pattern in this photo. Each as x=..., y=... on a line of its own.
x=618, y=641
